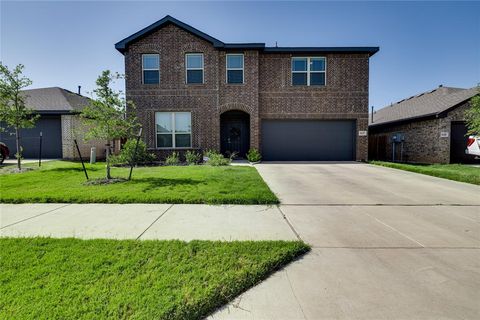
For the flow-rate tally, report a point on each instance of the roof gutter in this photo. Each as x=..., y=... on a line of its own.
x=370, y=50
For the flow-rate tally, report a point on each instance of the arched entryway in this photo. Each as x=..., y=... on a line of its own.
x=235, y=133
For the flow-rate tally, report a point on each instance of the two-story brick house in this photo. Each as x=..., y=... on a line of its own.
x=192, y=91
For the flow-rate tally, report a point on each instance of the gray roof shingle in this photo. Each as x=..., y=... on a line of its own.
x=54, y=99
x=429, y=103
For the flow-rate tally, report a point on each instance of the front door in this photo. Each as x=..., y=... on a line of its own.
x=234, y=133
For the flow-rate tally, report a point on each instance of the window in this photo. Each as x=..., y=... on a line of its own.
x=308, y=71
x=151, y=68
x=194, y=67
x=173, y=129
x=235, y=68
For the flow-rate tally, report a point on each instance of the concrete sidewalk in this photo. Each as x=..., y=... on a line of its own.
x=145, y=221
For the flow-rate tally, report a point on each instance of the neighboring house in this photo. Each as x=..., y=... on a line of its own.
x=59, y=123
x=428, y=128
x=192, y=91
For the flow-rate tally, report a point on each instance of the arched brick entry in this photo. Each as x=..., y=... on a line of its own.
x=235, y=132
x=235, y=106
x=254, y=120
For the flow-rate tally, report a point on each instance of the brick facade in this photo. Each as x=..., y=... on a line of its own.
x=266, y=93
x=73, y=128
x=345, y=95
x=423, y=142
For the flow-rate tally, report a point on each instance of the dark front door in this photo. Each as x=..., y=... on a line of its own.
x=458, y=144
x=235, y=133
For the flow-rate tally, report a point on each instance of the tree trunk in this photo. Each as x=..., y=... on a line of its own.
x=19, y=151
x=108, y=162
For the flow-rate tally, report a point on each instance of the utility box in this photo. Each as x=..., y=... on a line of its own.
x=93, y=155
x=397, y=140
x=398, y=137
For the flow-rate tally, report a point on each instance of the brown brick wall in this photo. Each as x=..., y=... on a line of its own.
x=345, y=95
x=423, y=143
x=268, y=96
x=172, y=94
x=244, y=96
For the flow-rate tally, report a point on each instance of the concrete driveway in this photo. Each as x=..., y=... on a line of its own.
x=386, y=244
x=359, y=183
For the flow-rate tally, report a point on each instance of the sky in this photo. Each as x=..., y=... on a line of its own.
x=422, y=44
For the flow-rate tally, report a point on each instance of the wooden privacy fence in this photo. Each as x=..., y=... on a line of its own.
x=377, y=148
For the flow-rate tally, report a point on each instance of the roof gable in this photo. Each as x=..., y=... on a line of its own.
x=123, y=44
x=54, y=99
x=430, y=103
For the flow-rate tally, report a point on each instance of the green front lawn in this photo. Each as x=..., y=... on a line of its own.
x=62, y=181
x=44, y=278
x=457, y=172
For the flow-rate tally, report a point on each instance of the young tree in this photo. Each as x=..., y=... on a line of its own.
x=106, y=116
x=473, y=115
x=13, y=110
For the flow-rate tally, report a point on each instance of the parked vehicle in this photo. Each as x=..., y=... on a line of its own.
x=473, y=146
x=4, y=152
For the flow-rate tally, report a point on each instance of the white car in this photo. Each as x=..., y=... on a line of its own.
x=473, y=146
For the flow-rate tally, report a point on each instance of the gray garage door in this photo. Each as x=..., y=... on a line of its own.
x=458, y=144
x=308, y=140
x=51, y=129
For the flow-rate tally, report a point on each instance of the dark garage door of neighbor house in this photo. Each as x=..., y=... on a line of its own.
x=308, y=140
x=51, y=129
x=458, y=144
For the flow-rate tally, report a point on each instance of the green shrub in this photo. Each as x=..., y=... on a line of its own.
x=173, y=159
x=208, y=152
x=217, y=159
x=253, y=155
x=192, y=157
x=127, y=154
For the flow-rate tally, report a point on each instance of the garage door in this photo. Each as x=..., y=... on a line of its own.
x=458, y=144
x=51, y=129
x=308, y=140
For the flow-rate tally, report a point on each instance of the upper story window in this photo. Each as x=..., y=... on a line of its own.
x=194, y=68
x=151, y=68
x=173, y=129
x=235, y=68
x=308, y=71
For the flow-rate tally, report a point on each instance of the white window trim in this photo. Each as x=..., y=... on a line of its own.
x=187, y=68
x=150, y=69
x=173, y=133
x=227, y=68
x=309, y=71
